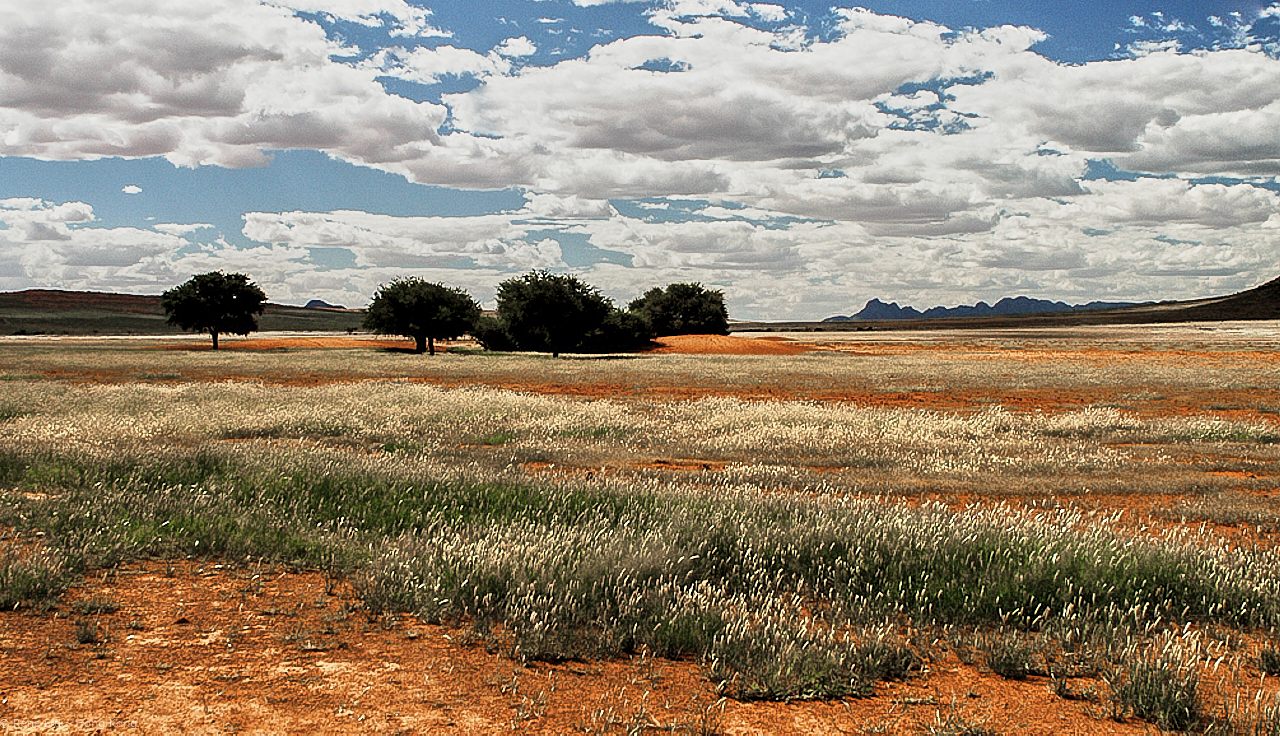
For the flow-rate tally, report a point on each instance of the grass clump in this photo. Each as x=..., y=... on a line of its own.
x=765, y=660
x=1160, y=686
x=1269, y=660
x=95, y=605
x=34, y=578
x=86, y=631
x=1012, y=656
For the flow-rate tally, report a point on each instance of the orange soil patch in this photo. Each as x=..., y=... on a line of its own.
x=298, y=342
x=686, y=344
x=205, y=648
x=728, y=345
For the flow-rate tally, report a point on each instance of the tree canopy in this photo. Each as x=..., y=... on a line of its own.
x=683, y=309
x=422, y=310
x=551, y=312
x=215, y=303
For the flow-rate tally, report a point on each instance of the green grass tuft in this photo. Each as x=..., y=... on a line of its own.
x=1160, y=688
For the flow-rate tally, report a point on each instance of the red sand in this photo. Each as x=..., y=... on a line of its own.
x=727, y=345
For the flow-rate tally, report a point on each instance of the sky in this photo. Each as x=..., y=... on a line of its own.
x=802, y=157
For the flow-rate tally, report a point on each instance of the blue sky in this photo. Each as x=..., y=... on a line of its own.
x=803, y=157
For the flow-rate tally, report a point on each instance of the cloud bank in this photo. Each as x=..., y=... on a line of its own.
x=888, y=157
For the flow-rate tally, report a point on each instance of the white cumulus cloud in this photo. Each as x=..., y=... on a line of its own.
x=882, y=157
x=214, y=82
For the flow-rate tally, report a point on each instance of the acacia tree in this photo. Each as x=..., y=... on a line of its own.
x=683, y=309
x=215, y=302
x=551, y=312
x=421, y=310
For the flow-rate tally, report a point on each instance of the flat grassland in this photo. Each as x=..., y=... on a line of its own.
x=1022, y=531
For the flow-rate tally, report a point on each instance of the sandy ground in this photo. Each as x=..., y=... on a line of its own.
x=200, y=648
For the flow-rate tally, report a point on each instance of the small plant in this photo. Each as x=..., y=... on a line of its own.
x=708, y=722
x=497, y=438
x=1061, y=686
x=1161, y=688
x=954, y=721
x=35, y=580
x=1269, y=660
x=95, y=605
x=86, y=631
x=1012, y=657
x=767, y=660
x=882, y=659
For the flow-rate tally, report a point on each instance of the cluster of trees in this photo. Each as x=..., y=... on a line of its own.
x=545, y=312
x=540, y=311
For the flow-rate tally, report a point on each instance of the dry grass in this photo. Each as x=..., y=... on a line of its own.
x=790, y=544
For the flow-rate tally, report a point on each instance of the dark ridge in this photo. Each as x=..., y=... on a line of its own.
x=1258, y=303
x=876, y=309
x=317, y=304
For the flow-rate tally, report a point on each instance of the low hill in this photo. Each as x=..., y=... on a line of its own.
x=54, y=312
x=1262, y=302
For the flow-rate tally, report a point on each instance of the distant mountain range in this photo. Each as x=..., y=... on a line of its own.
x=1260, y=302
x=878, y=310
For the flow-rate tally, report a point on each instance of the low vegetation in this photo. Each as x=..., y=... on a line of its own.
x=818, y=549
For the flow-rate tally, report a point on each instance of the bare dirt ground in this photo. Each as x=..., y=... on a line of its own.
x=196, y=647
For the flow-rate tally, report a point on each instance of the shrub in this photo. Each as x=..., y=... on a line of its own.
x=683, y=309
x=492, y=334
x=1159, y=687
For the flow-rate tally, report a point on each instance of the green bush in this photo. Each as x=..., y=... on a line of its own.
x=1160, y=688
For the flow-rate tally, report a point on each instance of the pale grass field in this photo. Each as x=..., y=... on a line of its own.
x=798, y=545
x=1126, y=360
x=780, y=444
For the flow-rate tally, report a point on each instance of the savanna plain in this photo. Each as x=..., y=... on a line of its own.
x=1065, y=530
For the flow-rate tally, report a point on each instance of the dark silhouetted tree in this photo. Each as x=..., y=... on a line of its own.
x=215, y=302
x=423, y=311
x=492, y=334
x=551, y=312
x=622, y=331
x=683, y=309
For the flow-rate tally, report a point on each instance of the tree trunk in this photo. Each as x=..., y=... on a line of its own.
x=431, y=345
x=214, y=333
x=420, y=344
